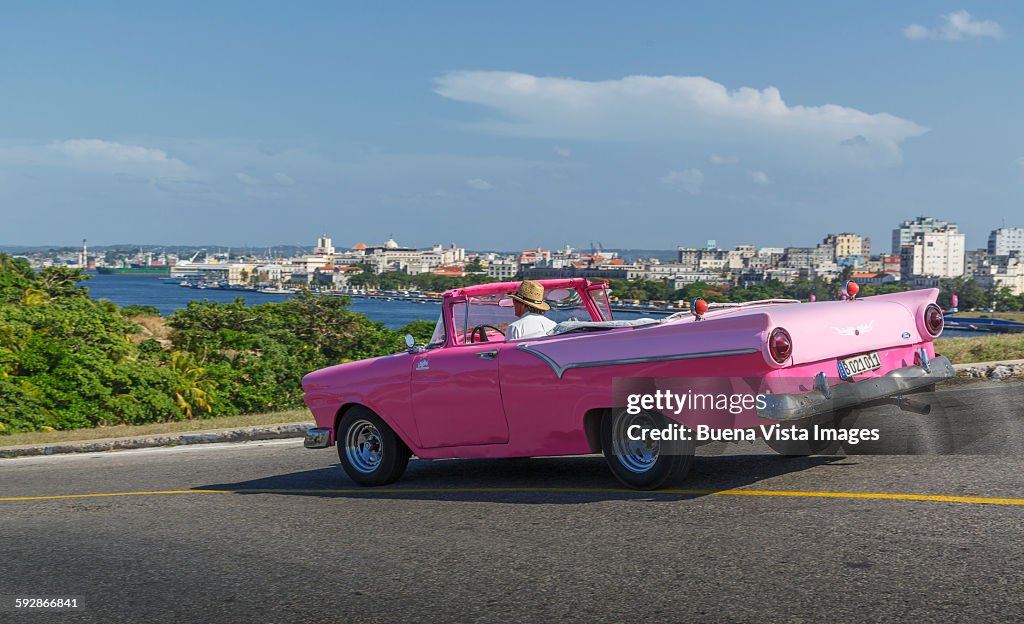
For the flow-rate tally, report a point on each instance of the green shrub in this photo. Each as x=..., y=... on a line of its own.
x=140, y=310
x=69, y=361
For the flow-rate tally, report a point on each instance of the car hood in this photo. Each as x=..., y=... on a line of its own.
x=359, y=371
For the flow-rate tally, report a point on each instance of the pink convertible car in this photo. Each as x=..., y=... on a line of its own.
x=471, y=393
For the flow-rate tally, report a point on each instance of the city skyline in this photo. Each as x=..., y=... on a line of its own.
x=879, y=244
x=644, y=128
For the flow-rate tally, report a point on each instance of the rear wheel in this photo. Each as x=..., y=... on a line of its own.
x=643, y=464
x=369, y=450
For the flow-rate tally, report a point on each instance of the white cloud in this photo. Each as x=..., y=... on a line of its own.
x=98, y=156
x=956, y=26
x=717, y=159
x=689, y=180
x=120, y=158
x=276, y=179
x=916, y=31
x=111, y=150
x=690, y=109
x=759, y=177
x=479, y=185
x=564, y=152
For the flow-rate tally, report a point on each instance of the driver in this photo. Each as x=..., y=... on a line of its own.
x=529, y=306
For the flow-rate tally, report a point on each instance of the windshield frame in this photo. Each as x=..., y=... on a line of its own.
x=450, y=301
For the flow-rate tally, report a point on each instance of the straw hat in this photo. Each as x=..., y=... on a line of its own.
x=531, y=294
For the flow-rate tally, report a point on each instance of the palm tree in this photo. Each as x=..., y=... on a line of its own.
x=192, y=388
x=34, y=296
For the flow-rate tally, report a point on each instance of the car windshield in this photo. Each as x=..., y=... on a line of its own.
x=497, y=311
x=491, y=310
x=437, y=338
x=600, y=296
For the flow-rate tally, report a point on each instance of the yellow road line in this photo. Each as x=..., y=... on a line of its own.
x=112, y=494
x=936, y=498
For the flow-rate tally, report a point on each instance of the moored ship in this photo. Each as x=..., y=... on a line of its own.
x=137, y=268
x=134, y=270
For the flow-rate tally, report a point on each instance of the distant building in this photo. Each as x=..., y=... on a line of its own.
x=820, y=258
x=937, y=253
x=334, y=276
x=703, y=259
x=758, y=277
x=685, y=278
x=232, y=274
x=849, y=249
x=531, y=257
x=503, y=270
x=567, y=272
x=324, y=246
x=976, y=261
x=905, y=233
x=449, y=271
x=391, y=256
x=891, y=265
x=1009, y=274
x=1006, y=241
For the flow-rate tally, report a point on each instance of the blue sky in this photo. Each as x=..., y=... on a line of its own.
x=507, y=126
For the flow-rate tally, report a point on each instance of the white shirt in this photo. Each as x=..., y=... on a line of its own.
x=529, y=325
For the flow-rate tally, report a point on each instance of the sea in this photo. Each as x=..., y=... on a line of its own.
x=167, y=296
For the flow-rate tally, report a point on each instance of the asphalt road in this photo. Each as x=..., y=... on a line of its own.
x=528, y=540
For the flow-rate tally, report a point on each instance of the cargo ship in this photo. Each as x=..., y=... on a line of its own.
x=136, y=269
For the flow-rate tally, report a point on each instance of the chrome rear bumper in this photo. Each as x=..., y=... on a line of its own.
x=824, y=398
x=317, y=438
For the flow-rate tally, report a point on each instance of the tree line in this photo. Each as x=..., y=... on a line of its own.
x=69, y=361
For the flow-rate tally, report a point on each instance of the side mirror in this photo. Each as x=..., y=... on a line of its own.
x=410, y=343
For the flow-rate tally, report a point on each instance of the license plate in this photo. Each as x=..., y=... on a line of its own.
x=859, y=364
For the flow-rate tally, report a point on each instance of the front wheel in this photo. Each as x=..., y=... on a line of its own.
x=643, y=464
x=369, y=450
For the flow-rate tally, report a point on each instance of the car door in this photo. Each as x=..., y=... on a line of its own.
x=456, y=396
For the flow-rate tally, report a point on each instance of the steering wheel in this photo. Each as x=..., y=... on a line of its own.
x=480, y=329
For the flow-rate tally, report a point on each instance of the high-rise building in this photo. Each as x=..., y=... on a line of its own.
x=933, y=254
x=324, y=247
x=905, y=233
x=976, y=262
x=1006, y=241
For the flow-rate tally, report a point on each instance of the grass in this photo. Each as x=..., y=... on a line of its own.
x=982, y=348
x=1006, y=316
x=124, y=431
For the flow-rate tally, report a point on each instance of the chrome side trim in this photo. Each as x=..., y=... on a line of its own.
x=560, y=369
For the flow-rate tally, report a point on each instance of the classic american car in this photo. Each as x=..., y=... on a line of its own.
x=470, y=393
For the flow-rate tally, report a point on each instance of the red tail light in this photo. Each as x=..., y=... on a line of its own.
x=780, y=345
x=933, y=321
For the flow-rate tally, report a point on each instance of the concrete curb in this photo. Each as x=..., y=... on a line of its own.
x=1008, y=369
x=242, y=434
